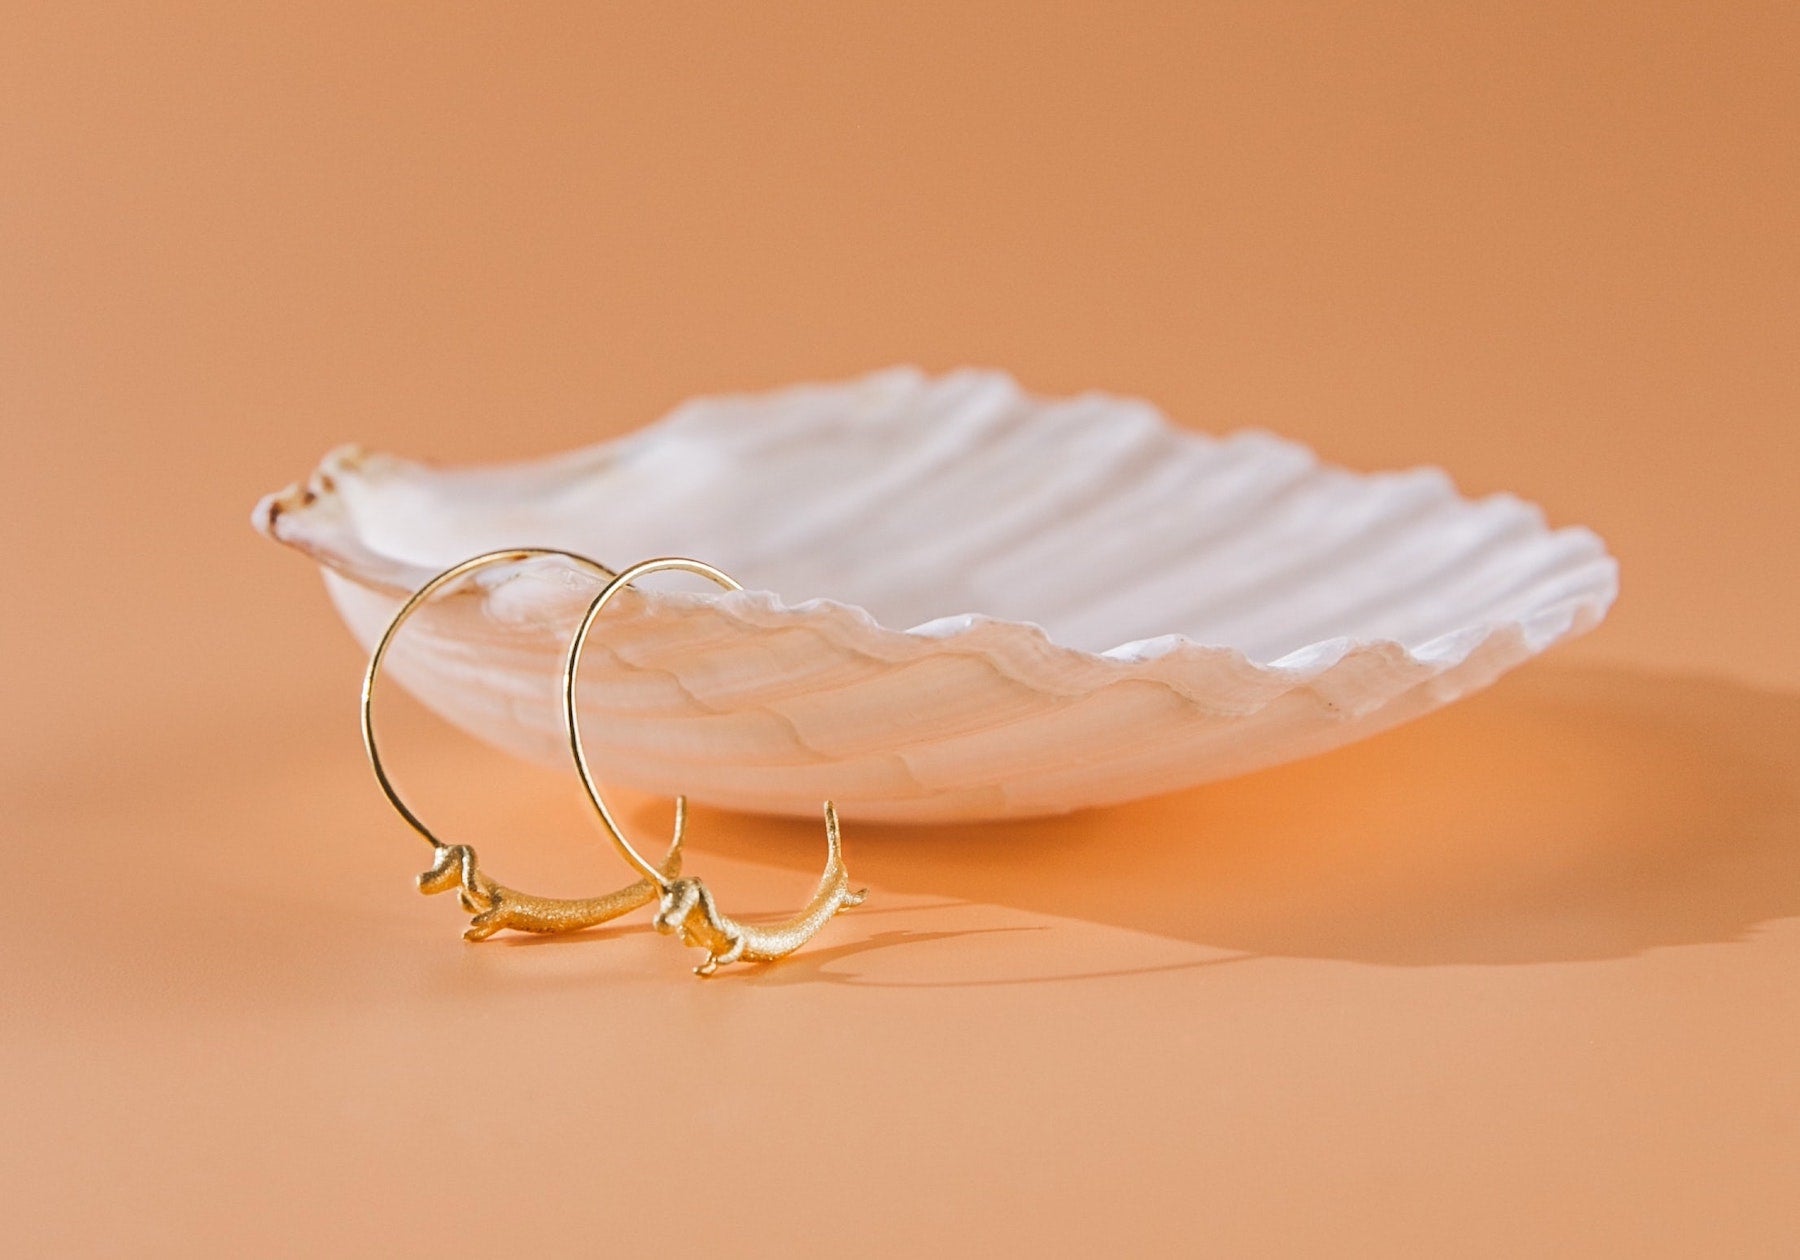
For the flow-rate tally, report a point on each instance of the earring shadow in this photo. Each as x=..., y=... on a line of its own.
x=812, y=964
x=1567, y=813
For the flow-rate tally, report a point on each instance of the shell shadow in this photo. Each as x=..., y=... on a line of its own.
x=1567, y=813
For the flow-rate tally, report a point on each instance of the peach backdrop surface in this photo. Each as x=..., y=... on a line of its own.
x=1515, y=979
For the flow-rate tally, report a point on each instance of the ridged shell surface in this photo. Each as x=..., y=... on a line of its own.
x=964, y=602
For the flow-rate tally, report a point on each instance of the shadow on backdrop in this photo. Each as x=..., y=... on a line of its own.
x=1567, y=813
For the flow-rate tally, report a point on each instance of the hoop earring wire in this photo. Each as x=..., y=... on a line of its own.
x=494, y=905
x=686, y=904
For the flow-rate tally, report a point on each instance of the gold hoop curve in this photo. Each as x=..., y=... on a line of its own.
x=494, y=905
x=686, y=904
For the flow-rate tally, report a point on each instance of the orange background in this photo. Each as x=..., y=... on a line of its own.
x=1516, y=979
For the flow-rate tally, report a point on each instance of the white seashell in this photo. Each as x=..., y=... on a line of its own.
x=1098, y=606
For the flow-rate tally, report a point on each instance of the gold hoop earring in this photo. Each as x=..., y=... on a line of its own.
x=686, y=905
x=493, y=905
